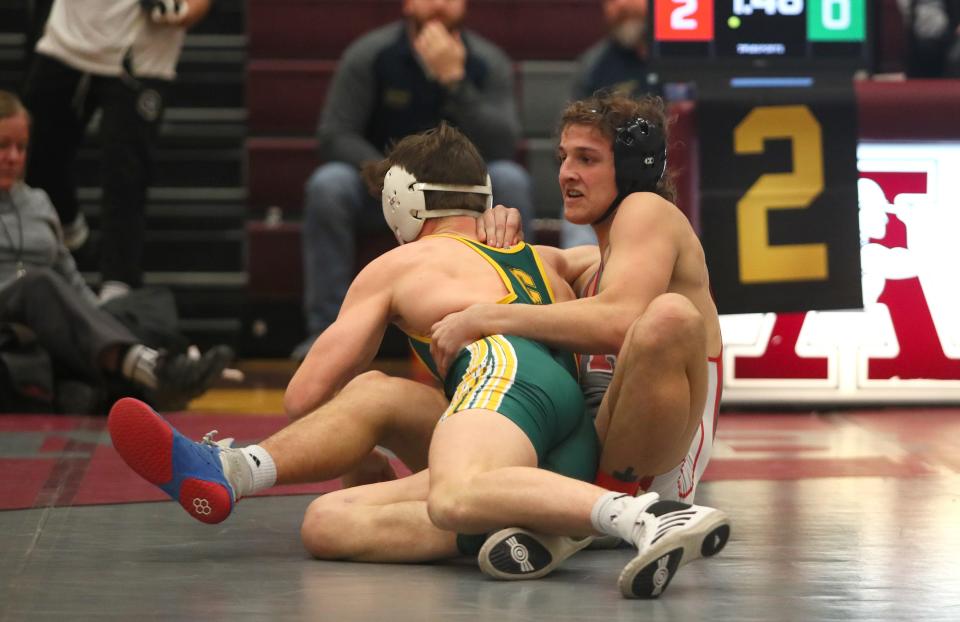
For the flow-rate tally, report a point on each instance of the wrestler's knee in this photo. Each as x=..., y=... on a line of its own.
x=297, y=400
x=399, y=405
x=323, y=526
x=448, y=504
x=669, y=320
x=370, y=382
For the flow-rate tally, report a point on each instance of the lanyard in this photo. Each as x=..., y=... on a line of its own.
x=18, y=249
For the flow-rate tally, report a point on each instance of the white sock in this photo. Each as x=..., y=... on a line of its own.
x=615, y=513
x=140, y=365
x=606, y=510
x=262, y=468
x=248, y=469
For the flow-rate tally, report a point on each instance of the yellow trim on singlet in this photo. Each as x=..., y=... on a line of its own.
x=502, y=376
x=512, y=293
x=468, y=381
x=543, y=274
x=420, y=338
x=516, y=248
x=484, y=384
x=416, y=353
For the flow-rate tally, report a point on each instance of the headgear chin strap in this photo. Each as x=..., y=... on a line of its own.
x=404, y=203
x=639, y=157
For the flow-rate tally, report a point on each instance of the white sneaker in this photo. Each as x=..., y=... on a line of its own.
x=514, y=554
x=669, y=535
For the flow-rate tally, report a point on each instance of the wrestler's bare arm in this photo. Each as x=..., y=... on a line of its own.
x=575, y=265
x=643, y=249
x=349, y=345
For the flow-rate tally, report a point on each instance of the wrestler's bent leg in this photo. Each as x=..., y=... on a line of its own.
x=383, y=522
x=655, y=402
x=373, y=409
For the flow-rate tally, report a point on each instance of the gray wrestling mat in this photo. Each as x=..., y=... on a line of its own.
x=834, y=548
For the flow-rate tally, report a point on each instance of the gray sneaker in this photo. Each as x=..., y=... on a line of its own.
x=516, y=554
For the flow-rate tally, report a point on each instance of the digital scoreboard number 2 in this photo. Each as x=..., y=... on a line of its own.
x=683, y=20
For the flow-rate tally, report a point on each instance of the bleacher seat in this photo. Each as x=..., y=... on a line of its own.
x=544, y=89
x=302, y=85
x=13, y=26
x=321, y=29
x=278, y=170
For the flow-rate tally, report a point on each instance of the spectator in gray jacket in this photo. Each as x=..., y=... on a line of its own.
x=41, y=290
x=397, y=80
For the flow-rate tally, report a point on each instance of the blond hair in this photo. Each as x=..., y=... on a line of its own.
x=10, y=105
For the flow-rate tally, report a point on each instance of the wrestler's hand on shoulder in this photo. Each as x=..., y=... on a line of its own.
x=455, y=332
x=500, y=227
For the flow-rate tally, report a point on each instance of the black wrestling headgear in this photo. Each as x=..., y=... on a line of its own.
x=639, y=157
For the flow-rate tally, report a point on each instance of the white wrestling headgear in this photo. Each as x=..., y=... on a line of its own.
x=404, y=204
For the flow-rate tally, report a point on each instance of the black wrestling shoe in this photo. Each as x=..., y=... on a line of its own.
x=181, y=378
x=670, y=534
x=515, y=554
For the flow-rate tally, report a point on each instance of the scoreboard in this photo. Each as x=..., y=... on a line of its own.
x=744, y=35
x=903, y=346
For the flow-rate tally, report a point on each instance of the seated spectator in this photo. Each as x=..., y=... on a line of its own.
x=398, y=80
x=933, y=37
x=617, y=62
x=44, y=296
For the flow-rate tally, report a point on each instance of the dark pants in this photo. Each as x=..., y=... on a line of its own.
x=74, y=332
x=62, y=101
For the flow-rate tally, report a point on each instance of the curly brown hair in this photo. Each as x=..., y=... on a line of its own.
x=441, y=155
x=608, y=110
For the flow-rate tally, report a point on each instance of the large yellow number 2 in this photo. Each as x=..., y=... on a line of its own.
x=760, y=262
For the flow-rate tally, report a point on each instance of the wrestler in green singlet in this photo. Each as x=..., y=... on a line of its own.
x=528, y=383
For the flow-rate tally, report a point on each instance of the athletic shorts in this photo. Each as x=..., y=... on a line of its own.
x=529, y=385
x=680, y=483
